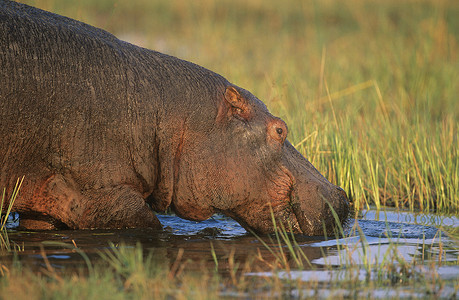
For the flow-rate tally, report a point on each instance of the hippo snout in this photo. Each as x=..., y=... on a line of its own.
x=313, y=198
x=313, y=208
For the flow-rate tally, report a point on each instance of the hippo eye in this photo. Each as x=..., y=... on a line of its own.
x=279, y=131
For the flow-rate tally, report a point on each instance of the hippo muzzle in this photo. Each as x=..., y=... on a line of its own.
x=317, y=218
x=313, y=198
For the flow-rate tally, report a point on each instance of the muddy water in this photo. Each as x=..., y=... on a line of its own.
x=416, y=237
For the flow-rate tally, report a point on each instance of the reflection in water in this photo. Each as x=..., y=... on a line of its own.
x=233, y=246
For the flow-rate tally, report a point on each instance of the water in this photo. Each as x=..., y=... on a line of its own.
x=382, y=236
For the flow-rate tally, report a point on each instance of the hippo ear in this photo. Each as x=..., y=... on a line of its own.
x=238, y=104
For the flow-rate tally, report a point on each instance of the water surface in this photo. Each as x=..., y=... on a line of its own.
x=373, y=238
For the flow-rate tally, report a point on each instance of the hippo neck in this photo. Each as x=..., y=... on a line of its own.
x=188, y=98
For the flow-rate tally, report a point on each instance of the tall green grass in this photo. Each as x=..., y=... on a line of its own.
x=7, y=202
x=368, y=88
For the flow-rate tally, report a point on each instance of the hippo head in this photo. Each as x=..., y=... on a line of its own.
x=240, y=163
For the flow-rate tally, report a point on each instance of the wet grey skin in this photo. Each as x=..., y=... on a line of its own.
x=106, y=133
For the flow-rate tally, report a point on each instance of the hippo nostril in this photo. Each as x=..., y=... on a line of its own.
x=279, y=131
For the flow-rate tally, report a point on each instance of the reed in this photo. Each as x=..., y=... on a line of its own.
x=7, y=202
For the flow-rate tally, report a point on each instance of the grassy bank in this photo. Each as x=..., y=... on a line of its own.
x=369, y=89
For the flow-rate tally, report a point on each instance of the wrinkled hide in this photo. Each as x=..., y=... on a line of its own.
x=106, y=133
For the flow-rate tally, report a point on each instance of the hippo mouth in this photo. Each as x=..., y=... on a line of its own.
x=317, y=222
x=303, y=225
x=312, y=205
x=291, y=215
x=320, y=212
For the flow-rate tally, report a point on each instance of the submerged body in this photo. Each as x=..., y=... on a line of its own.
x=106, y=132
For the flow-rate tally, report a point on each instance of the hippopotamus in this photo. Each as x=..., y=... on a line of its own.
x=107, y=133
